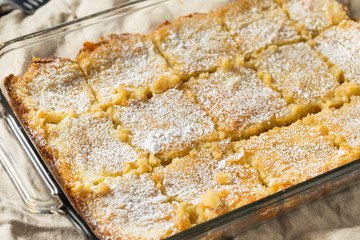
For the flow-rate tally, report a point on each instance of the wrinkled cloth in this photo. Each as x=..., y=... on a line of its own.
x=335, y=217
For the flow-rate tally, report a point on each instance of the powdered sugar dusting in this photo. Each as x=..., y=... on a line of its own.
x=315, y=15
x=245, y=10
x=156, y=139
x=260, y=30
x=59, y=86
x=188, y=178
x=197, y=43
x=298, y=72
x=134, y=208
x=89, y=143
x=293, y=153
x=127, y=60
x=341, y=45
x=167, y=123
x=238, y=98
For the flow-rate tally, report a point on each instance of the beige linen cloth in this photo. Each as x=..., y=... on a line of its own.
x=335, y=217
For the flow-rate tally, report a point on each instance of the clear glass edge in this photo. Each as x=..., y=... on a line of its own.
x=101, y=14
x=201, y=231
x=27, y=192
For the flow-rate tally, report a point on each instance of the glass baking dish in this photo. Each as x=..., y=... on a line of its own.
x=39, y=189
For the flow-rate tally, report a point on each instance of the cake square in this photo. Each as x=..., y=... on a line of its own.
x=51, y=88
x=289, y=155
x=258, y=24
x=87, y=148
x=342, y=125
x=298, y=73
x=315, y=15
x=168, y=124
x=130, y=207
x=213, y=186
x=125, y=66
x=195, y=43
x=239, y=102
x=341, y=46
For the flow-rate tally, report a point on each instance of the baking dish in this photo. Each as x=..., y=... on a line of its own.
x=37, y=186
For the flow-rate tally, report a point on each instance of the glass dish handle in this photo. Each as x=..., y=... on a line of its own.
x=38, y=195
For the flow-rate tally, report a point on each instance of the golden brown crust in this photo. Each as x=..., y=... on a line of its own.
x=167, y=23
x=20, y=110
x=90, y=46
x=164, y=24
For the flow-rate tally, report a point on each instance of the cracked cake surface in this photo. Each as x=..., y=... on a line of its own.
x=167, y=124
x=195, y=43
x=340, y=44
x=298, y=73
x=258, y=24
x=124, y=66
x=239, y=101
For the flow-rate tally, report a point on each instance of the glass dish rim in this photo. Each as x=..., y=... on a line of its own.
x=73, y=22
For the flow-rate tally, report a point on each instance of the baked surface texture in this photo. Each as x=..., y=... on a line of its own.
x=150, y=135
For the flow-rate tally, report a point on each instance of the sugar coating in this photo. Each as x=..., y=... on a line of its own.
x=127, y=61
x=55, y=85
x=289, y=155
x=88, y=144
x=298, y=73
x=239, y=101
x=195, y=43
x=169, y=123
x=190, y=177
x=132, y=208
x=341, y=45
x=315, y=15
x=258, y=24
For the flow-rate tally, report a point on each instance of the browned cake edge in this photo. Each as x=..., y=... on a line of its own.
x=45, y=151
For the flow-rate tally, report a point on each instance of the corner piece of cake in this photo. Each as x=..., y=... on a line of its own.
x=131, y=207
x=50, y=90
